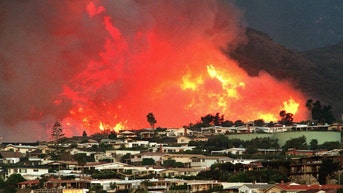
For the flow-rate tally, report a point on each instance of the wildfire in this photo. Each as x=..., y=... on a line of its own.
x=171, y=68
x=118, y=127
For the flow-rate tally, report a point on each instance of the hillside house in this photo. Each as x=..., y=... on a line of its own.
x=86, y=151
x=10, y=157
x=175, y=172
x=183, y=140
x=253, y=188
x=306, y=168
x=126, y=134
x=24, y=149
x=294, y=188
x=28, y=172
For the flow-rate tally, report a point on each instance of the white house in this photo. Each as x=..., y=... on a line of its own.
x=9, y=157
x=28, y=172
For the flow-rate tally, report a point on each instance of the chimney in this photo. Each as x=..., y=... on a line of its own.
x=161, y=150
x=185, y=131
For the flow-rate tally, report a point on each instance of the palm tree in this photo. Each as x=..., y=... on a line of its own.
x=151, y=119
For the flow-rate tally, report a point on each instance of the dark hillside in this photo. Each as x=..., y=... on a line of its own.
x=318, y=73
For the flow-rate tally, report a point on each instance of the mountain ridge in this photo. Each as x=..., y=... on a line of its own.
x=317, y=73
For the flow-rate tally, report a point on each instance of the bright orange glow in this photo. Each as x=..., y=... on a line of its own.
x=290, y=106
x=172, y=68
x=101, y=126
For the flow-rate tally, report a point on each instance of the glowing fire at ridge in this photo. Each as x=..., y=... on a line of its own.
x=143, y=71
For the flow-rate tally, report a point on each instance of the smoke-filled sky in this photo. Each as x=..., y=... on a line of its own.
x=96, y=65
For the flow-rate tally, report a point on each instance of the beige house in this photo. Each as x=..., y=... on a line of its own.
x=174, y=172
x=183, y=140
x=253, y=188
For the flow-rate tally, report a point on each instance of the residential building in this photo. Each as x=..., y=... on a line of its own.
x=28, y=172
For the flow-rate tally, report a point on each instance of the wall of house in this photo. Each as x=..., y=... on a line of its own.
x=285, y=136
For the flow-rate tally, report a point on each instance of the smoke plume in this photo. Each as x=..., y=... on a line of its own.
x=109, y=63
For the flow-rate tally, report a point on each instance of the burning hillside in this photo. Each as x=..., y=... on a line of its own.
x=107, y=64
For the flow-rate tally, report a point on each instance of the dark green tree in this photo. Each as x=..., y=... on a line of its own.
x=321, y=114
x=2, y=183
x=297, y=143
x=286, y=118
x=218, y=119
x=314, y=144
x=112, y=135
x=81, y=159
x=12, y=183
x=151, y=119
x=259, y=122
x=238, y=123
x=327, y=168
x=330, y=145
x=227, y=123
x=148, y=161
x=126, y=158
x=84, y=134
x=97, y=188
x=217, y=142
x=207, y=120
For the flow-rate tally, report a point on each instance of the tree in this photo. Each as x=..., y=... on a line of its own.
x=239, y=123
x=81, y=161
x=112, y=135
x=218, y=120
x=148, y=161
x=12, y=182
x=227, y=123
x=322, y=114
x=286, y=118
x=57, y=131
x=327, y=168
x=297, y=143
x=259, y=122
x=151, y=119
x=314, y=144
x=84, y=134
x=217, y=142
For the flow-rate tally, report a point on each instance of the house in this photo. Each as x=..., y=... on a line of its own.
x=253, y=188
x=28, y=172
x=175, y=172
x=138, y=158
x=183, y=140
x=10, y=157
x=126, y=134
x=99, y=157
x=176, y=132
x=118, y=154
x=67, y=184
x=202, y=185
x=147, y=134
x=86, y=151
x=24, y=149
x=307, y=168
x=195, y=160
x=234, y=151
x=56, y=190
x=293, y=188
x=28, y=184
x=172, y=149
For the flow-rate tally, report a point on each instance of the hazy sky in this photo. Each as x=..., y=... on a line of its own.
x=297, y=24
x=109, y=63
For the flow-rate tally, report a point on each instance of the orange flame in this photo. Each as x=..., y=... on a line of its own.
x=141, y=70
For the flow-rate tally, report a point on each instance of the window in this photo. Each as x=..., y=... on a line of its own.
x=35, y=170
